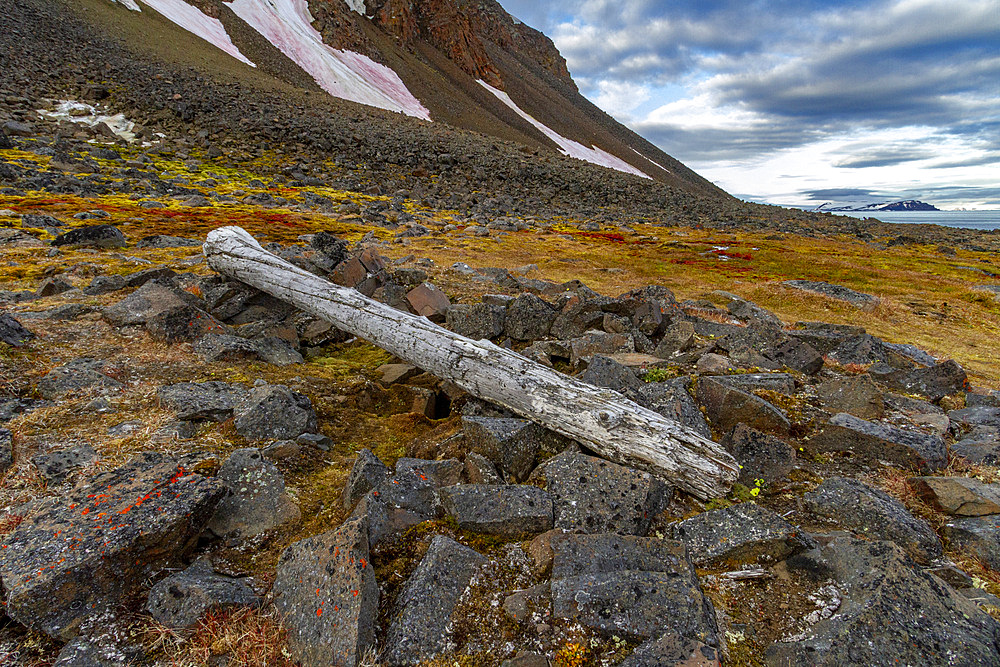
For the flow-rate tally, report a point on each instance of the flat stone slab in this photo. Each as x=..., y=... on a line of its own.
x=180, y=600
x=958, y=496
x=592, y=495
x=325, y=590
x=876, y=441
x=872, y=512
x=84, y=551
x=420, y=625
x=740, y=534
x=506, y=510
x=75, y=376
x=196, y=401
x=839, y=292
x=728, y=406
x=629, y=586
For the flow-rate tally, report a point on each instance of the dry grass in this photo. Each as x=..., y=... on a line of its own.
x=246, y=636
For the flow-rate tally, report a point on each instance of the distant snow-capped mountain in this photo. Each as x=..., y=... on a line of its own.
x=904, y=205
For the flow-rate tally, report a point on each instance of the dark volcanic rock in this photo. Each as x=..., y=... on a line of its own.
x=367, y=473
x=877, y=441
x=674, y=651
x=419, y=629
x=858, y=396
x=979, y=536
x=630, y=587
x=180, y=600
x=958, y=496
x=783, y=383
x=507, y=510
x=274, y=412
x=182, y=323
x=164, y=241
x=74, y=376
x=257, y=501
x=759, y=455
x=728, y=406
x=397, y=503
x=104, y=285
x=673, y=400
x=839, y=292
x=55, y=465
x=325, y=590
x=891, y=613
x=140, y=306
x=934, y=382
x=592, y=495
x=510, y=444
x=740, y=534
x=13, y=332
x=871, y=512
x=439, y=473
x=193, y=401
x=6, y=450
x=83, y=552
x=95, y=236
x=480, y=320
x=528, y=318
x=223, y=347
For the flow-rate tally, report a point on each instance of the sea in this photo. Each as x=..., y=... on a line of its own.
x=968, y=219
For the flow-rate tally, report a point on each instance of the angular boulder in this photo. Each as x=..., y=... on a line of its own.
x=958, y=496
x=83, y=552
x=760, y=456
x=143, y=304
x=528, y=318
x=419, y=628
x=592, y=495
x=506, y=510
x=510, y=444
x=728, y=406
x=257, y=501
x=877, y=441
x=858, y=396
x=75, y=376
x=367, y=473
x=854, y=505
x=94, y=236
x=477, y=321
x=274, y=412
x=13, y=332
x=978, y=535
x=180, y=600
x=197, y=401
x=325, y=589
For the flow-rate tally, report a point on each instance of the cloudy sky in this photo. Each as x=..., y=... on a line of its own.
x=799, y=101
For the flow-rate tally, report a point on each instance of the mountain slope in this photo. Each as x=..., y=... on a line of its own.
x=426, y=59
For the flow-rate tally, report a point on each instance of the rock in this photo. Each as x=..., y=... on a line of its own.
x=329, y=245
x=139, y=307
x=520, y=606
x=592, y=495
x=101, y=651
x=673, y=651
x=982, y=445
x=478, y=321
x=631, y=587
x=274, y=412
x=583, y=349
x=398, y=503
x=783, y=383
x=223, y=347
x=180, y=600
x=510, y=444
x=367, y=473
x=728, y=406
x=257, y=501
x=858, y=396
x=854, y=505
x=104, y=285
x=759, y=455
x=753, y=314
x=94, y=236
x=420, y=625
x=958, y=496
x=196, y=401
x=13, y=128
x=508, y=511
x=969, y=418
x=428, y=301
x=528, y=318
x=839, y=292
x=740, y=534
x=890, y=613
x=182, y=323
x=52, y=287
x=677, y=338
x=5, y=142
x=672, y=400
x=934, y=382
x=603, y=371
x=479, y=470
x=83, y=552
x=55, y=465
x=393, y=373
x=6, y=450
x=797, y=355
x=165, y=241
x=979, y=536
x=864, y=350
x=877, y=441
x=439, y=473
x=75, y=376
x=162, y=274
x=12, y=332
x=326, y=592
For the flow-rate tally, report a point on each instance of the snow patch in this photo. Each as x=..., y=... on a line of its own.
x=287, y=24
x=357, y=6
x=131, y=4
x=568, y=147
x=652, y=161
x=85, y=114
x=196, y=22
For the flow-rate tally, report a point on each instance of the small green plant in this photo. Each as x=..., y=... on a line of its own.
x=656, y=375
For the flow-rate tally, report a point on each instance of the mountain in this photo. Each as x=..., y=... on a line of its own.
x=904, y=205
x=466, y=64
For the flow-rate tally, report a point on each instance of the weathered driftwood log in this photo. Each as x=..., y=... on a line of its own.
x=604, y=420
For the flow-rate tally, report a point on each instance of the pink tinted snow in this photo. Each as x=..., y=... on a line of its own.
x=287, y=24
x=194, y=21
x=569, y=147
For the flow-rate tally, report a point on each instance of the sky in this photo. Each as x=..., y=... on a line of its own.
x=799, y=102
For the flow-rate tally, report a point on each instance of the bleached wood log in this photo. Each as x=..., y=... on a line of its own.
x=602, y=419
